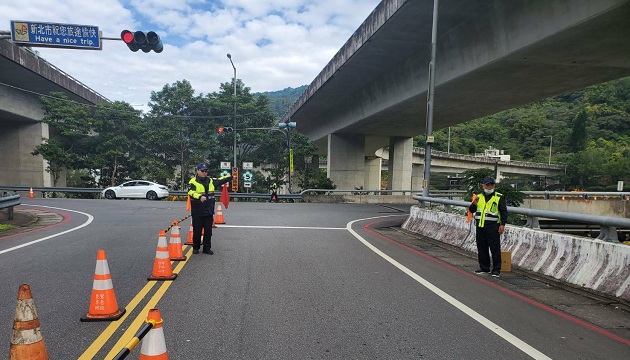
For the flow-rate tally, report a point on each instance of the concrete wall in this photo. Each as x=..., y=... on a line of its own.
x=596, y=265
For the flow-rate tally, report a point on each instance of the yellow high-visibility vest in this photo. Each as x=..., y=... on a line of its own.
x=488, y=210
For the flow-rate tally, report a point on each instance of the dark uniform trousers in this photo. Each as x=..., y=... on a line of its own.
x=488, y=236
x=199, y=223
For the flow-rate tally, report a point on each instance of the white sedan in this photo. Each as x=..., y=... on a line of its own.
x=140, y=189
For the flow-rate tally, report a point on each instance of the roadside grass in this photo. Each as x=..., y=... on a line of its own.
x=5, y=227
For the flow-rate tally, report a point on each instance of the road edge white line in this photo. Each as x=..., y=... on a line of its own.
x=88, y=222
x=506, y=335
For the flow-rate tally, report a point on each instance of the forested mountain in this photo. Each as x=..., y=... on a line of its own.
x=588, y=130
x=281, y=100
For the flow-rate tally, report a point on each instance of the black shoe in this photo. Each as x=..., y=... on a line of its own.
x=479, y=272
x=208, y=251
x=195, y=251
x=495, y=273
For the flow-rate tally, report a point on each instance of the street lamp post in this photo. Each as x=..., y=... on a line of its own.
x=234, y=121
x=289, y=125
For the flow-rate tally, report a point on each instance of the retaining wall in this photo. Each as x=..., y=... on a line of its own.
x=593, y=264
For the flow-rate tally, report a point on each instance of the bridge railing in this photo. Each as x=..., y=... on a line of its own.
x=608, y=225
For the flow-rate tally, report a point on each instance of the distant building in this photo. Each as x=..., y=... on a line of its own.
x=495, y=154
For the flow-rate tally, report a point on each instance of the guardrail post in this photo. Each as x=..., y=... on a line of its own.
x=608, y=233
x=10, y=211
x=448, y=208
x=532, y=222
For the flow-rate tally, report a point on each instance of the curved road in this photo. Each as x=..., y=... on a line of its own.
x=287, y=281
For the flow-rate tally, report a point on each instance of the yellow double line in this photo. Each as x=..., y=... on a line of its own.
x=100, y=341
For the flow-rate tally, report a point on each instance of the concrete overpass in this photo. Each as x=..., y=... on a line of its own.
x=491, y=56
x=23, y=76
x=442, y=162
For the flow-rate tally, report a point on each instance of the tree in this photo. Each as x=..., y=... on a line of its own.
x=177, y=130
x=69, y=142
x=578, y=132
x=117, y=143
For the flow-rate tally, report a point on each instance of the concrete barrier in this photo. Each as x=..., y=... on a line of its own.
x=596, y=265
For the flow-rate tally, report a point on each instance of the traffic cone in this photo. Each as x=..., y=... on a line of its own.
x=162, y=269
x=189, y=241
x=27, y=342
x=175, y=250
x=219, y=219
x=103, y=304
x=30, y=193
x=153, y=344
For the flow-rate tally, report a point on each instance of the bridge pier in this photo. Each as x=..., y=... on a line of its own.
x=399, y=168
x=17, y=165
x=346, y=161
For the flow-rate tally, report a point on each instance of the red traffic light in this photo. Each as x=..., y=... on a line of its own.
x=127, y=36
x=140, y=41
x=225, y=129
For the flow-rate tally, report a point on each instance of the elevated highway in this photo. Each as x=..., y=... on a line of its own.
x=491, y=56
x=23, y=77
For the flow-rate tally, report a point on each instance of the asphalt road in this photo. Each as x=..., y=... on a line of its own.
x=287, y=281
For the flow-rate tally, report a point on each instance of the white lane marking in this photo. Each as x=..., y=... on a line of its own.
x=88, y=222
x=280, y=227
x=520, y=344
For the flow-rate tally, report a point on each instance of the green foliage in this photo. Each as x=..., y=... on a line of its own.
x=590, y=130
x=315, y=179
x=111, y=143
x=281, y=100
x=70, y=125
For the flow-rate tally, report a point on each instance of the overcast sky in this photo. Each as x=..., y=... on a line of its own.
x=274, y=43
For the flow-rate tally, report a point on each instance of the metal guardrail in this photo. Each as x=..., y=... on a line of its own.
x=8, y=202
x=357, y=191
x=78, y=190
x=608, y=225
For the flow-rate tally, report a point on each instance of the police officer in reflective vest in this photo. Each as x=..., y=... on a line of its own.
x=491, y=214
x=201, y=193
x=274, y=193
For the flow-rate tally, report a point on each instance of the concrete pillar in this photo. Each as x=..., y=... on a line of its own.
x=400, y=163
x=346, y=161
x=17, y=166
x=417, y=175
x=372, y=173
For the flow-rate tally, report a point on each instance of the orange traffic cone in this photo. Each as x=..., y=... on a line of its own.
x=30, y=193
x=175, y=249
x=162, y=269
x=153, y=344
x=190, y=235
x=219, y=219
x=26, y=341
x=103, y=304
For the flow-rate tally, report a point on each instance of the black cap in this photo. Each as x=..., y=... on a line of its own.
x=488, y=180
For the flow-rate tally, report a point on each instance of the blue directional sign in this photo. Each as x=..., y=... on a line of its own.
x=55, y=35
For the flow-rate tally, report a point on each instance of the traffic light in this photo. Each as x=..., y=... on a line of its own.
x=225, y=130
x=141, y=41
